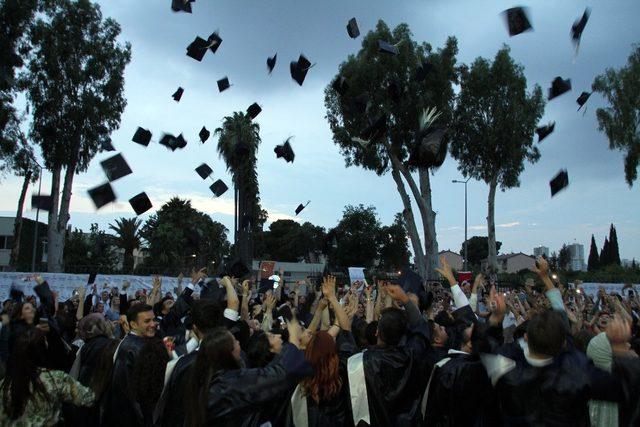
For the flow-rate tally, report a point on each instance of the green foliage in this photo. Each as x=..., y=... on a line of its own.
x=393, y=246
x=177, y=232
x=619, y=120
x=288, y=241
x=477, y=250
x=594, y=259
x=86, y=253
x=127, y=237
x=614, y=251
x=564, y=258
x=356, y=235
x=605, y=253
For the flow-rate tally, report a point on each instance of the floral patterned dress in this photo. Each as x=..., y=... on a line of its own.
x=61, y=388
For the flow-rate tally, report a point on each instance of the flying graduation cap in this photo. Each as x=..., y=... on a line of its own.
x=271, y=62
x=430, y=145
x=223, y=84
x=172, y=142
x=106, y=145
x=218, y=188
x=517, y=20
x=214, y=41
x=544, y=131
x=559, y=86
x=285, y=151
x=115, y=167
x=142, y=137
x=386, y=47
x=102, y=195
x=177, y=94
x=204, y=134
x=181, y=5
x=204, y=170
x=299, y=69
x=352, y=28
x=301, y=207
x=578, y=27
x=140, y=203
x=42, y=202
x=582, y=99
x=197, y=49
x=559, y=182
x=253, y=110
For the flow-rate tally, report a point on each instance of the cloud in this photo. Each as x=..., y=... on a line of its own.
x=509, y=224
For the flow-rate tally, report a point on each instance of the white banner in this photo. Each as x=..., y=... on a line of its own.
x=592, y=288
x=356, y=274
x=64, y=284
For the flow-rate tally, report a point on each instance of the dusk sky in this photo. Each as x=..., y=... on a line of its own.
x=252, y=30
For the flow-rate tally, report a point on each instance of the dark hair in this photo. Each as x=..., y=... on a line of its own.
x=148, y=373
x=22, y=380
x=206, y=314
x=392, y=326
x=258, y=350
x=101, y=375
x=16, y=311
x=132, y=313
x=546, y=333
x=322, y=355
x=581, y=339
x=215, y=354
x=370, y=332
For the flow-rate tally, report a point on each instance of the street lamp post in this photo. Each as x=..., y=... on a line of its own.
x=455, y=181
x=35, y=233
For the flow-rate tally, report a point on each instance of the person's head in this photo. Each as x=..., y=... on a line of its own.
x=104, y=296
x=438, y=333
x=466, y=343
x=206, y=314
x=603, y=320
x=322, y=355
x=391, y=326
x=22, y=380
x=219, y=351
x=262, y=347
x=148, y=373
x=582, y=338
x=101, y=375
x=546, y=334
x=141, y=320
x=94, y=325
x=166, y=304
x=7, y=305
x=24, y=311
x=99, y=308
x=360, y=311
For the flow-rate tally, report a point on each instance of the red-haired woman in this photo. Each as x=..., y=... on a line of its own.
x=323, y=400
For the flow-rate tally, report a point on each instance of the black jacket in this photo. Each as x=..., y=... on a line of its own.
x=170, y=410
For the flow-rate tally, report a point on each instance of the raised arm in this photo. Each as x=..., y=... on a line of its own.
x=81, y=295
x=369, y=308
x=267, y=318
x=329, y=291
x=317, y=315
x=459, y=298
x=244, y=307
x=552, y=293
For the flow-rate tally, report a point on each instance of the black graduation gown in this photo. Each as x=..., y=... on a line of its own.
x=237, y=397
x=394, y=379
x=170, y=410
x=171, y=324
x=119, y=408
x=90, y=354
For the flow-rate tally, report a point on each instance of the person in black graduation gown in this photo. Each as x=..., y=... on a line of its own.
x=221, y=393
x=120, y=408
x=392, y=369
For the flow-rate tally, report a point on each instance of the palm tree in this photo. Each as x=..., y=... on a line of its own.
x=238, y=143
x=128, y=238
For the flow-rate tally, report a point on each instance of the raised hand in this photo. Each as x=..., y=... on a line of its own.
x=295, y=331
x=180, y=278
x=125, y=285
x=446, y=271
x=329, y=287
x=497, y=305
x=618, y=330
x=270, y=301
x=322, y=304
x=196, y=276
x=397, y=293
x=542, y=267
x=245, y=288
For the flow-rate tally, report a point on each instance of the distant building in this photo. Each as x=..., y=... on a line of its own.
x=455, y=260
x=26, y=244
x=512, y=263
x=541, y=251
x=577, y=257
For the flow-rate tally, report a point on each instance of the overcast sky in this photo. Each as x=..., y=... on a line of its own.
x=252, y=30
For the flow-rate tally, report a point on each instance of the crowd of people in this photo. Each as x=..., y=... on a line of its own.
x=228, y=351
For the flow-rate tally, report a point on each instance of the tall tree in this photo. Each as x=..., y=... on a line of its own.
x=238, y=143
x=74, y=83
x=288, y=241
x=478, y=250
x=619, y=120
x=495, y=120
x=564, y=258
x=394, y=248
x=89, y=252
x=614, y=251
x=24, y=165
x=605, y=253
x=356, y=238
x=383, y=87
x=127, y=237
x=594, y=259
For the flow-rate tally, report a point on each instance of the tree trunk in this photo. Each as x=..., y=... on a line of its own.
x=410, y=222
x=429, y=226
x=17, y=225
x=127, y=262
x=56, y=240
x=491, y=227
x=53, y=215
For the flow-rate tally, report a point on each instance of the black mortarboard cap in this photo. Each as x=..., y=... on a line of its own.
x=115, y=167
x=106, y=145
x=169, y=141
x=559, y=182
x=204, y=134
x=386, y=47
x=578, y=26
x=142, y=137
x=44, y=203
x=299, y=69
x=197, y=48
x=430, y=148
x=223, y=84
x=301, y=207
x=181, y=142
x=517, y=20
x=102, y=195
x=253, y=110
x=340, y=85
x=218, y=188
x=214, y=41
x=582, y=99
x=544, y=131
x=92, y=278
x=140, y=203
x=352, y=28
x=558, y=87
x=271, y=62
x=411, y=281
x=181, y=5
x=285, y=151
x=177, y=94
x=265, y=285
x=204, y=170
